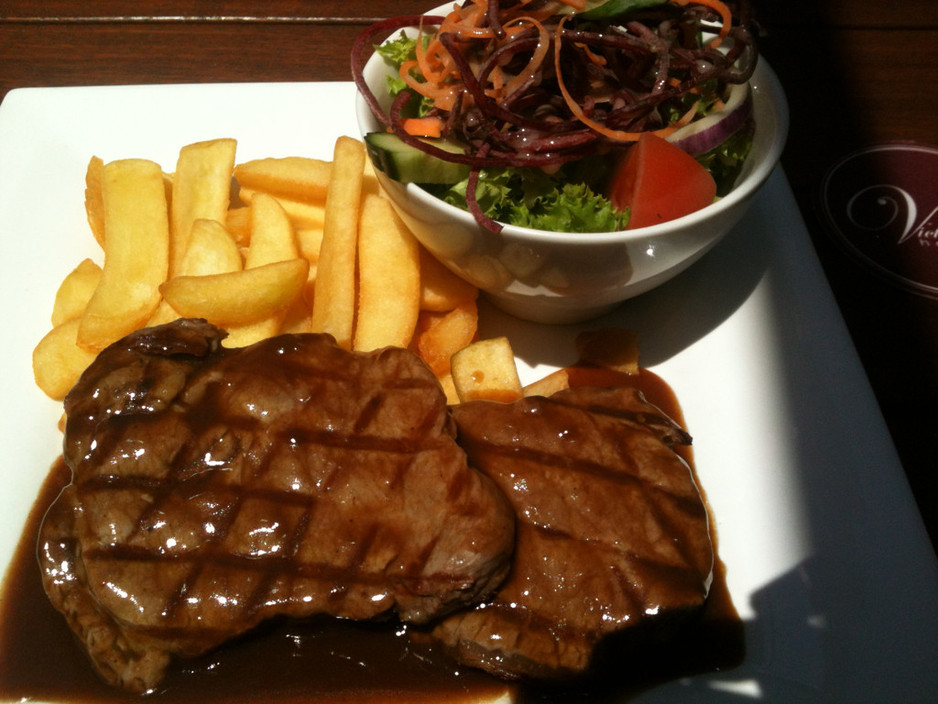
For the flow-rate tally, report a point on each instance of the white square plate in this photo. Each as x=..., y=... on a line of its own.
x=828, y=562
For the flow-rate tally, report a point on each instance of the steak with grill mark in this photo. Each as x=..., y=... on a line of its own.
x=215, y=488
x=612, y=533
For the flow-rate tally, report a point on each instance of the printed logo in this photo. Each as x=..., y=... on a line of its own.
x=882, y=204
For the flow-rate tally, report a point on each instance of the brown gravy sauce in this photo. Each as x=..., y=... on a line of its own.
x=329, y=661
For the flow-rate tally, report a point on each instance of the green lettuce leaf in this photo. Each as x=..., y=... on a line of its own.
x=395, y=52
x=533, y=198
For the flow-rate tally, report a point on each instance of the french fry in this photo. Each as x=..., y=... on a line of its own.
x=440, y=335
x=239, y=297
x=272, y=240
x=201, y=189
x=440, y=288
x=449, y=389
x=136, y=253
x=610, y=348
x=370, y=180
x=272, y=237
x=75, y=291
x=94, y=200
x=294, y=177
x=249, y=333
x=58, y=361
x=297, y=317
x=211, y=250
x=301, y=214
x=389, y=278
x=486, y=370
x=334, y=298
x=238, y=224
x=309, y=242
x=550, y=384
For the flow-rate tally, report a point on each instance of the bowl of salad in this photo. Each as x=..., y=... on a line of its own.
x=566, y=155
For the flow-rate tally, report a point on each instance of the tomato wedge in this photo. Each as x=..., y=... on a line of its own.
x=658, y=182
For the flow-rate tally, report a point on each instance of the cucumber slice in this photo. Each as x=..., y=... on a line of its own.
x=407, y=164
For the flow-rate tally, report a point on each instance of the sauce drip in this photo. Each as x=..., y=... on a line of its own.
x=330, y=661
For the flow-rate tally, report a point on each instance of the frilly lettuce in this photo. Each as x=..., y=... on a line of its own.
x=533, y=198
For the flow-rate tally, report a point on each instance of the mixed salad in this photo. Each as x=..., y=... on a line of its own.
x=566, y=115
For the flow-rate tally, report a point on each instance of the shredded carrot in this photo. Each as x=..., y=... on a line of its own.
x=594, y=58
x=428, y=61
x=537, y=56
x=726, y=17
x=577, y=110
x=423, y=126
x=443, y=96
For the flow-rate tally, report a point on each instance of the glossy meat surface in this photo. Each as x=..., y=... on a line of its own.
x=612, y=535
x=215, y=488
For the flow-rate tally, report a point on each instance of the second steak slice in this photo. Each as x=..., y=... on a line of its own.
x=612, y=533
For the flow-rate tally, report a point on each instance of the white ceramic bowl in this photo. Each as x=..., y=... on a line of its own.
x=556, y=277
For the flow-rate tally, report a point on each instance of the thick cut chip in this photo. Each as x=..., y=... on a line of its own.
x=334, y=299
x=610, y=348
x=272, y=240
x=309, y=242
x=272, y=236
x=211, y=250
x=296, y=177
x=94, y=200
x=201, y=189
x=136, y=253
x=440, y=335
x=389, y=278
x=440, y=289
x=297, y=317
x=249, y=333
x=486, y=371
x=238, y=224
x=301, y=213
x=239, y=297
x=549, y=385
x=58, y=361
x=75, y=291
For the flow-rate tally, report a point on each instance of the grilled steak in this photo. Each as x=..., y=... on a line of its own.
x=612, y=534
x=215, y=488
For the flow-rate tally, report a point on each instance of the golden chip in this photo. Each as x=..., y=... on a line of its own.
x=75, y=291
x=295, y=177
x=201, y=189
x=94, y=200
x=136, y=253
x=58, y=361
x=334, y=298
x=441, y=289
x=389, y=278
x=211, y=250
x=440, y=335
x=301, y=214
x=239, y=297
x=272, y=237
x=610, y=348
x=548, y=385
x=486, y=370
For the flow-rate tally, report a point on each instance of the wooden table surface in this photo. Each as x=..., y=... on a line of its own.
x=857, y=73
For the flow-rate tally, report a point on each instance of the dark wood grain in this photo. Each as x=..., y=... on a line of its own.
x=857, y=73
